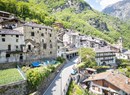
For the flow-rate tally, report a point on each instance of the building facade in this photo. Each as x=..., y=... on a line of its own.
x=40, y=39
x=12, y=44
x=105, y=56
x=109, y=83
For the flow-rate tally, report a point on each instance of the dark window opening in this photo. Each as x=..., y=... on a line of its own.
x=16, y=47
x=7, y=55
x=50, y=45
x=17, y=36
x=9, y=47
x=32, y=27
x=32, y=34
x=29, y=47
x=50, y=52
x=42, y=34
x=44, y=46
x=50, y=35
x=39, y=28
x=3, y=39
x=17, y=40
x=3, y=35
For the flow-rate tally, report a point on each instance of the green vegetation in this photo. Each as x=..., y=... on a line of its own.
x=87, y=57
x=9, y=76
x=36, y=75
x=124, y=67
x=75, y=89
x=79, y=16
x=60, y=59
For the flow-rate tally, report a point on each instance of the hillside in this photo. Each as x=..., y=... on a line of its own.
x=120, y=9
x=73, y=14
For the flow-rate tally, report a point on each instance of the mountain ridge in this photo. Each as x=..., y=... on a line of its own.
x=120, y=9
x=78, y=16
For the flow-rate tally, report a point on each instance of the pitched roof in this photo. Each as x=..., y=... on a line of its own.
x=103, y=49
x=116, y=79
x=10, y=32
x=37, y=25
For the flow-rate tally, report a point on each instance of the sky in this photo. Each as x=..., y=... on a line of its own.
x=101, y=4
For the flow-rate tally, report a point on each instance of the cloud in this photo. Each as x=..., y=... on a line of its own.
x=105, y=3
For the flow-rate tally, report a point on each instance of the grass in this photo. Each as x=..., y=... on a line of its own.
x=9, y=76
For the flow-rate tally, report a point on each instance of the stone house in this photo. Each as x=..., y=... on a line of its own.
x=91, y=42
x=40, y=40
x=11, y=46
x=108, y=83
x=9, y=21
x=71, y=39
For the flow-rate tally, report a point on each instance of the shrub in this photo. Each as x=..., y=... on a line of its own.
x=60, y=59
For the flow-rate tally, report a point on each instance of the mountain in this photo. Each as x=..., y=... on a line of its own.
x=120, y=9
x=73, y=14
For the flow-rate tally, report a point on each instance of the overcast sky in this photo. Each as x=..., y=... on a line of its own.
x=101, y=4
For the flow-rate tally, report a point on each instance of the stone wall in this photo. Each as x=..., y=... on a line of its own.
x=17, y=88
x=7, y=65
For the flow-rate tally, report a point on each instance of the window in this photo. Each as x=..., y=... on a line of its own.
x=29, y=47
x=50, y=45
x=42, y=34
x=43, y=40
x=32, y=34
x=3, y=39
x=3, y=35
x=39, y=28
x=37, y=31
x=50, y=52
x=9, y=47
x=16, y=47
x=17, y=36
x=44, y=46
x=50, y=35
x=32, y=27
x=50, y=41
x=7, y=55
x=17, y=40
x=46, y=29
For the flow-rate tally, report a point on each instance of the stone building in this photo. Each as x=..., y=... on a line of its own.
x=71, y=39
x=9, y=21
x=11, y=46
x=105, y=56
x=91, y=42
x=40, y=40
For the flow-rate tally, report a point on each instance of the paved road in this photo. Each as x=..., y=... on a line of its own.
x=61, y=79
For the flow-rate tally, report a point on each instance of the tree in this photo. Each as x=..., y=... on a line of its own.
x=87, y=57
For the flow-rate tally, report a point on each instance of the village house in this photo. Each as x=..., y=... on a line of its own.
x=9, y=21
x=108, y=83
x=71, y=39
x=11, y=46
x=40, y=40
x=105, y=56
x=91, y=42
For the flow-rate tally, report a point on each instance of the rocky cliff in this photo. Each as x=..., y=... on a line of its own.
x=120, y=9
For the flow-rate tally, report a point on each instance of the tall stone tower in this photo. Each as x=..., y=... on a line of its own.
x=120, y=43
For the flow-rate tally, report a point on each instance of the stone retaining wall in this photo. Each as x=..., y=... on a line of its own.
x=17, y=88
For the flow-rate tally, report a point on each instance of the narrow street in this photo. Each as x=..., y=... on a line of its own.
x=59, y=83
